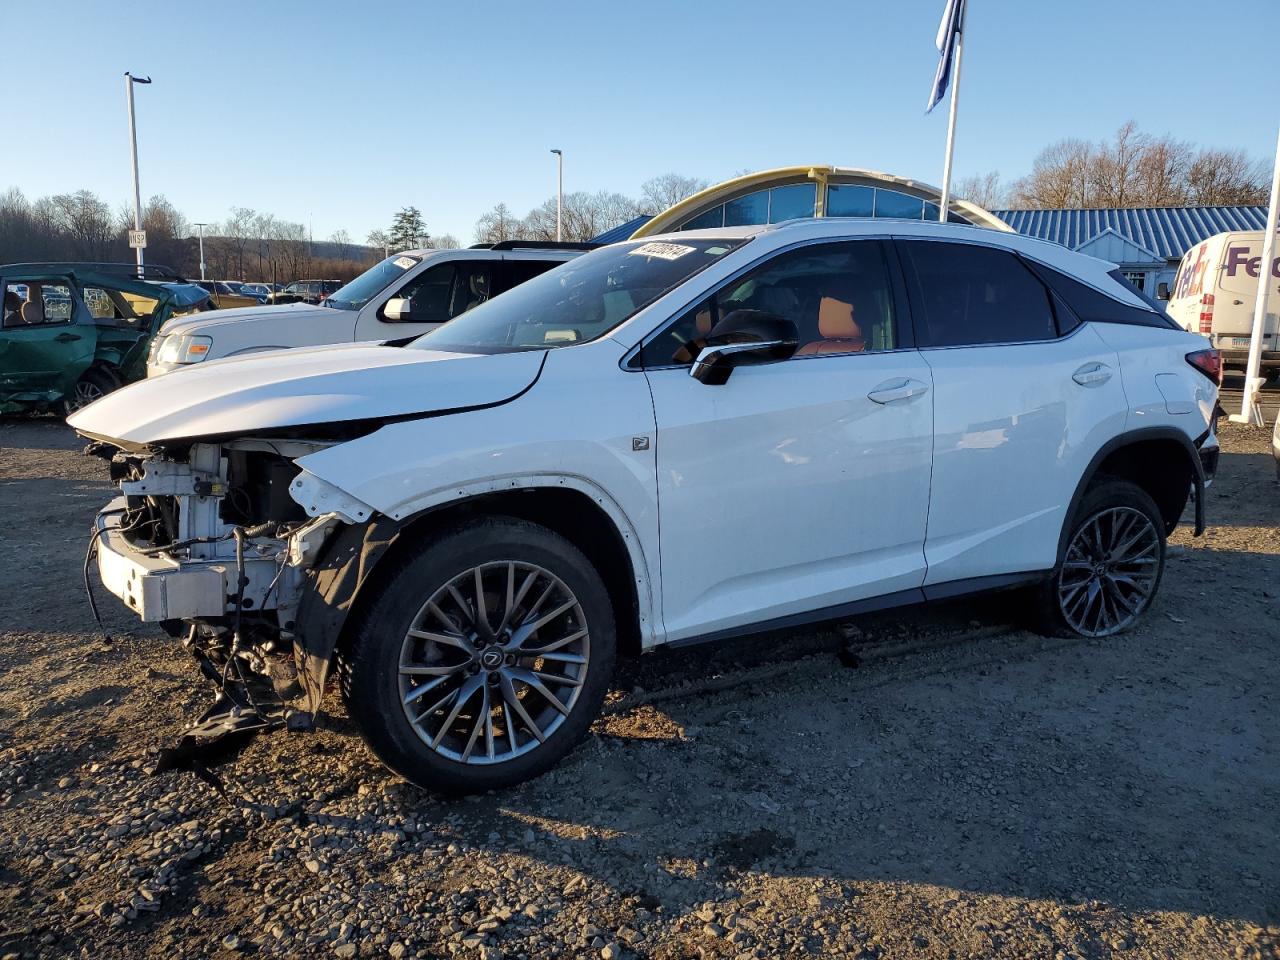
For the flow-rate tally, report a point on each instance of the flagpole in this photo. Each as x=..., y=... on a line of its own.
x=1250, y=404
x=951, y=119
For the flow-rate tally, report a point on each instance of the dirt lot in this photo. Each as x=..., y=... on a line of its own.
x=969, y=790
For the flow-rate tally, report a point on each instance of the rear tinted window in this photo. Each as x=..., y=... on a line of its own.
x=1089, y=303
x=967, y=294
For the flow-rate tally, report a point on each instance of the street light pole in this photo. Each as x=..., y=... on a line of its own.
x=201, y=226
x=559, y=194
x=129, y=81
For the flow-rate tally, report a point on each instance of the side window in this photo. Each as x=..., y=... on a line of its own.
x=516, y=272
x=1091, y=304
x=431, y=292
x=126, y=308
x=839, y=296
x=471, y=284
x=34, y=302
x=968, y=294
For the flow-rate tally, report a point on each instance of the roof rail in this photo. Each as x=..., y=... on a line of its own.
x=150, y=271
x=536, y=245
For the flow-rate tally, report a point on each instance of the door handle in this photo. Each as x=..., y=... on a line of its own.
x=66, y=337
x=900, y=389
x=1092, y=375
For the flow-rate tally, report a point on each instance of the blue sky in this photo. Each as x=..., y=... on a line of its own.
x=340, y=113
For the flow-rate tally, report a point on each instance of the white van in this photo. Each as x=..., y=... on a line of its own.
x=1215, y=291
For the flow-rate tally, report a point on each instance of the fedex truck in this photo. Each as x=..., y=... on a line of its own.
x=1215, y=292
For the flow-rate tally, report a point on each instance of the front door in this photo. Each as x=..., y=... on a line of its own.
x=800, y=485
x=437, y=295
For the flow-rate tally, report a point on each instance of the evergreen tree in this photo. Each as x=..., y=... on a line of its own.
x=408, y=230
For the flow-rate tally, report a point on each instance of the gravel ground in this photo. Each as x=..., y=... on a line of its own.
x=968, y=789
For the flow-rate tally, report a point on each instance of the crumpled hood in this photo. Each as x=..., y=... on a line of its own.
x=287, y=388
x=212, y=319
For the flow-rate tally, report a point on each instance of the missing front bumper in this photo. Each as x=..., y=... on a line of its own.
x=158, y=587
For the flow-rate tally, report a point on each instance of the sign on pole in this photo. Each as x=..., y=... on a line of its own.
x=137, y=239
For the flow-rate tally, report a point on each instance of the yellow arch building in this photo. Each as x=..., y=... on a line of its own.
x=786, y=193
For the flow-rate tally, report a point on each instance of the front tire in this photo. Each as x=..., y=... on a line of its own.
x=94, y=384
x=484, y=659
x=1112, y=565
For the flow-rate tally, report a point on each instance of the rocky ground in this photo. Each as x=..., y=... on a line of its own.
x=968, y=789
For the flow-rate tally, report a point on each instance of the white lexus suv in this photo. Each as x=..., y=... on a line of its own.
x=692, y=437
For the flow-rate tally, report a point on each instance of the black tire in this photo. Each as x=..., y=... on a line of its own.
x=1056, y=604
x=96, y=382
x=370, y=664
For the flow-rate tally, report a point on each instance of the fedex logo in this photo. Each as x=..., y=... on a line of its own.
x=1238, y=258
x=1191, y=277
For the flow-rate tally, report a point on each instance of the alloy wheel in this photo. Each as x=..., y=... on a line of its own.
x=1110, y=571
x=493, y=662
x=83, y=394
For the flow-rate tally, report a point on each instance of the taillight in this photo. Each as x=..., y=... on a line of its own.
x=1208, y=362
x=1206, y=313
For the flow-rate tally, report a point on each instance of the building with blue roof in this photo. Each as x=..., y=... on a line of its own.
x=1145, y=242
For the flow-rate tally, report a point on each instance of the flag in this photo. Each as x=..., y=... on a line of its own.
x=948, y=31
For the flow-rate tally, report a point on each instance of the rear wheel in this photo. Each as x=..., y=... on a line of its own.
x=484, y=659
x=1112, y=565
x=95, y=384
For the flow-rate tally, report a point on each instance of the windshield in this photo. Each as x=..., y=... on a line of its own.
x=578, y=301
x=362, y=289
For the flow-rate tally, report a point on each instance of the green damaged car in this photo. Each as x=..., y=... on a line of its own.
x=70, y=332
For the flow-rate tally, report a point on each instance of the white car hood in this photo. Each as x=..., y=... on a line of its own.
x=290, y=388
x=211, y=319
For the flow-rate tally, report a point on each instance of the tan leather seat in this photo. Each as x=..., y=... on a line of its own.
x=839, y=331
x=33, y=309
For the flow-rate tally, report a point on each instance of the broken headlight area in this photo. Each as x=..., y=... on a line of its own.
x=207, y=541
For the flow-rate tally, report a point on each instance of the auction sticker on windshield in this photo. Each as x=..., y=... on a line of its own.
x=663, y=251
x=404, y=263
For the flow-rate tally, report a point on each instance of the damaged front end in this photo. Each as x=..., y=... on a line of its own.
x=252, y=561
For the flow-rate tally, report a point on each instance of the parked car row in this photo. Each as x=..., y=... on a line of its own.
x=662, y=441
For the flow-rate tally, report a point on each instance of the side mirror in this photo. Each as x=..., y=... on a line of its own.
x=398, y=309
x=1162, y=291
x=744, y=338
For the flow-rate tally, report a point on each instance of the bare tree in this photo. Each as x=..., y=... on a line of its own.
x=1134, y=169
x=341, y=241
x=85, y=220
x=1060, y=177
x=238, y=230
x=379, y=240
x=497, y=225
x=445, y=241
x=666, y=190
x=584, y=215
x=1113, y=170
x=984, y=189
x=1160, y=178
x=1224, y=177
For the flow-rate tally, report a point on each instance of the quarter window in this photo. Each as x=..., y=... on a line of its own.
x=838, y=295
x=968, y=294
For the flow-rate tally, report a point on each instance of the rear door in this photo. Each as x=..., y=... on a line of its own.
x=42, y=347
x=1024, y=395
